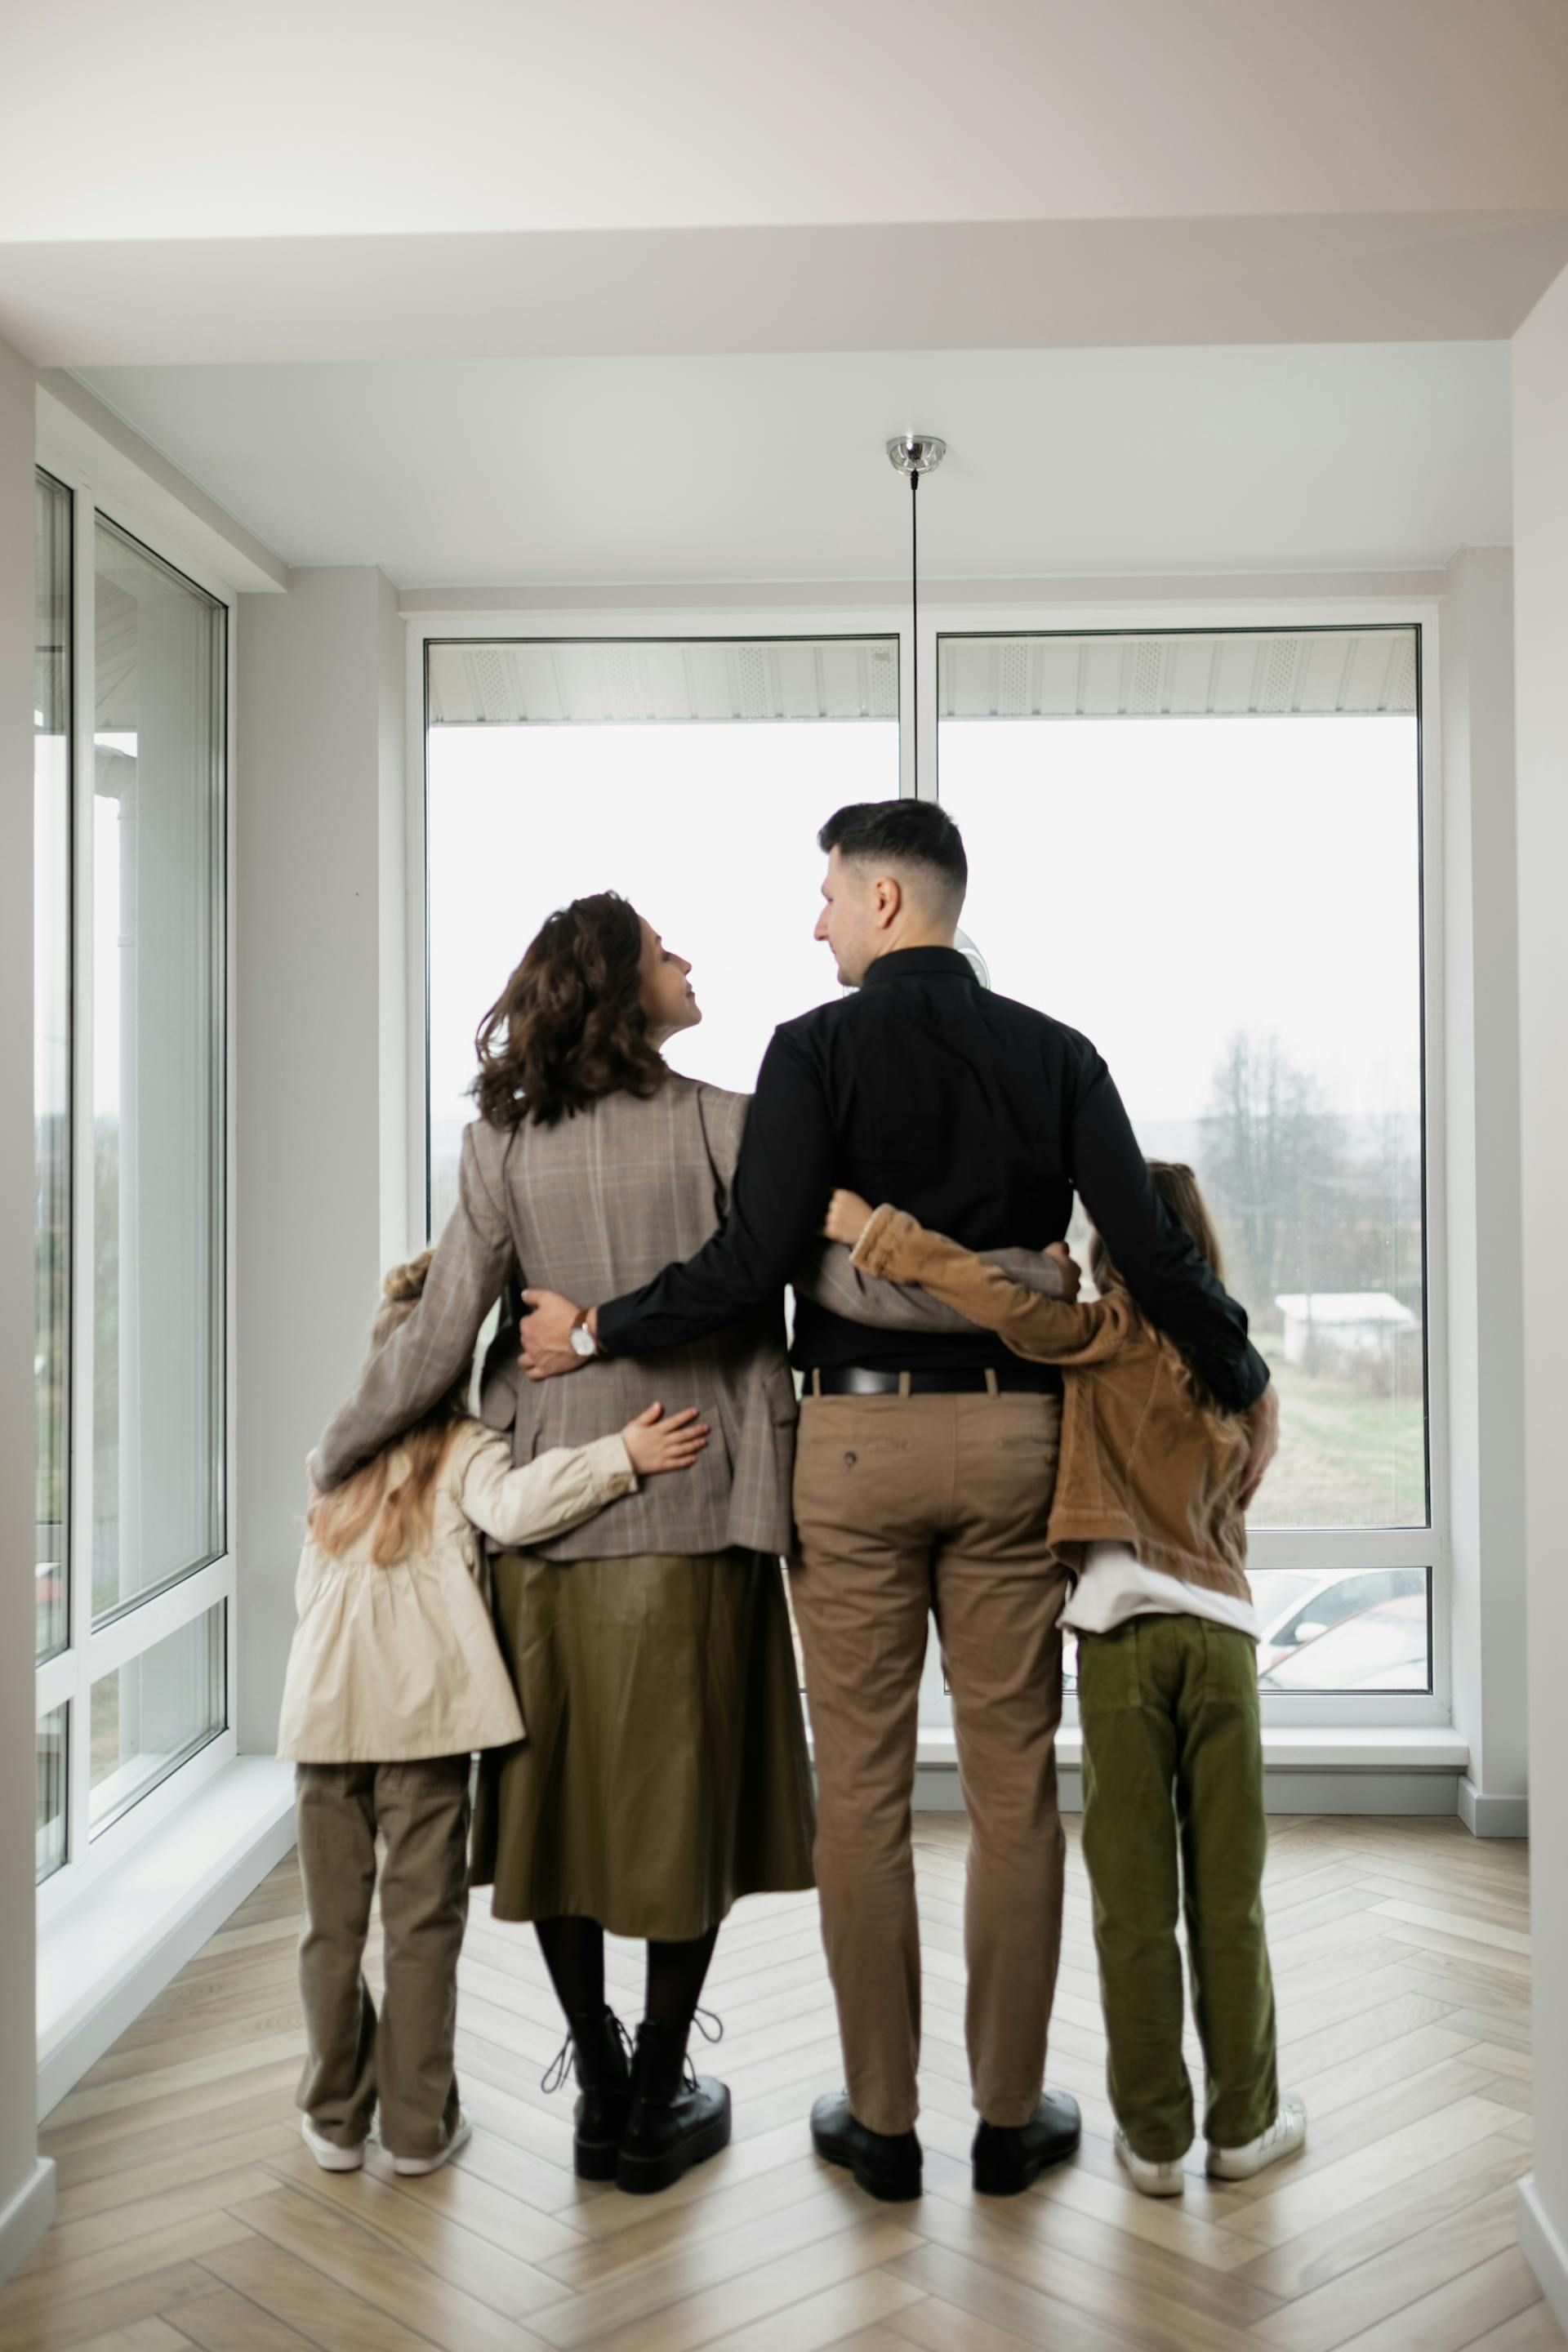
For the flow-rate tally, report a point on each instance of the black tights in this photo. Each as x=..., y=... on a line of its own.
x=573, y=1952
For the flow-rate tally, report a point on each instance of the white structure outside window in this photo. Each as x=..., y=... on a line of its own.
x=134, y=1577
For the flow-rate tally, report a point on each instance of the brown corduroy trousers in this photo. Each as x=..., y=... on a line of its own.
x=401, y=2060
x=909, y=1506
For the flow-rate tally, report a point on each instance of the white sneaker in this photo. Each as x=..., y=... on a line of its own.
x=1149, y=2180
x=1286, y=2134
x=327, y=2152
x=462, y=2133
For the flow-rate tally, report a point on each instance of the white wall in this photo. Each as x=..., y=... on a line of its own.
x=27, y=2186
x=1486, y=1448
x=1541, y=582
x=319, y=1056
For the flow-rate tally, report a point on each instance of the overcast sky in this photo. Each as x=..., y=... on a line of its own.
x=1157, y=883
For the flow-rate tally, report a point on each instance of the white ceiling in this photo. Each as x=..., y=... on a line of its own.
x=365, y=179
x=631, y=293
x=174, y=119
x=771, y=468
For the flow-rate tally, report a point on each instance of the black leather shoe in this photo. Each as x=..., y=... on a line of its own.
x=885, y=2164
x=1007, y=2156
x=678, y=2117
x=595, y=2050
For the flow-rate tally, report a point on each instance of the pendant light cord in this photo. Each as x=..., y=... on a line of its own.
x=915, y=612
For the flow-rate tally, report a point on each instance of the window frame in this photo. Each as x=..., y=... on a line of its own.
x=941, y=615
x=91, y=1652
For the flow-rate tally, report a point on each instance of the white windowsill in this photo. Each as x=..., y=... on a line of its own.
x=1431, y=1748
x=104, y=1955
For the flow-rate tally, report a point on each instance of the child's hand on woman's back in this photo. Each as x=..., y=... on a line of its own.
x=656, y=1443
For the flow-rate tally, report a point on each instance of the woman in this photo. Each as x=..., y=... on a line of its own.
x=664, y=1771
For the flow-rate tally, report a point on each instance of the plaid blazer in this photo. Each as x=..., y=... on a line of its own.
x=592, y=1207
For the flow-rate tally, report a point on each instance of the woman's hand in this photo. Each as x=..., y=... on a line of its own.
x=655, y=1444
x=848, y=1218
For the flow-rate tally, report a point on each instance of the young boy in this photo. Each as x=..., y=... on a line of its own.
x=1147, y=1510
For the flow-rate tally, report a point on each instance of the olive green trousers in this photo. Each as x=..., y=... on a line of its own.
x=1172, y=1820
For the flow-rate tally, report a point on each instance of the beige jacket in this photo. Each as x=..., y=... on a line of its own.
x=595, y=1207
x=1144, y=1461
x=393, y=1664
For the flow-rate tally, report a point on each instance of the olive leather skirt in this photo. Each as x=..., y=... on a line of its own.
x=663, y=1770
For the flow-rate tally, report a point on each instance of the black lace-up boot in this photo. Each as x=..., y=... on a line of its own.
x=678, y=2118
x=597, y=2051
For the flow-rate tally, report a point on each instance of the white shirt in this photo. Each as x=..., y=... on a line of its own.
x=1115, y=1586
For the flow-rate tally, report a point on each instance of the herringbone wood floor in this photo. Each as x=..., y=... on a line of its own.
x=190, y=2214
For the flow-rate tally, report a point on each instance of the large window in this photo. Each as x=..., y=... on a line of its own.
x=52, y=1056
x=156, y=917
x=1204, y=850
x=133, y=1579
x=692, y=777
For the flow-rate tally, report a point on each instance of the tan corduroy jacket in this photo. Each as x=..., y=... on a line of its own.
x=1143, y=1462
x=391, y=1664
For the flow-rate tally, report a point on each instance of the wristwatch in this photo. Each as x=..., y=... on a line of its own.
x=581, y=1340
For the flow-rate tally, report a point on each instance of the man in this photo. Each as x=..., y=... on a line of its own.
x=925, y=1464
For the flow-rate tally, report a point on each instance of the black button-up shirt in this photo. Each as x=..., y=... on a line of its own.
x=977, y=1114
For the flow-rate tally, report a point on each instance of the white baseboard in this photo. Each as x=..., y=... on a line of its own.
x=1544, y=2247
x=25, y=2218
x=1318, y=1770
x=101, y=1960
x=1492, y=1817
x=1422, y=1793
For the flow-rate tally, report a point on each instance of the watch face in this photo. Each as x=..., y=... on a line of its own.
x=581, y=1339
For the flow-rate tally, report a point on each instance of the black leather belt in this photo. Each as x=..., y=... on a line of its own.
x=859, y=1380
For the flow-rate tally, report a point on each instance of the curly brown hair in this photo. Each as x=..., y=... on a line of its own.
x=569, y=1025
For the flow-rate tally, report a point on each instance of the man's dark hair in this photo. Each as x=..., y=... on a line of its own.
x=900, y=832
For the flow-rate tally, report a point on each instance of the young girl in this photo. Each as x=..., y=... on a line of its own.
x=393, y=1678
x=1147, y=1511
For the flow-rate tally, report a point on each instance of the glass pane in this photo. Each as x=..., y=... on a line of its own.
x=1344, y=1630
x=1228, y=903
x=692, y=778
x=52, y=1057
x=158, y=1026
x=49, y=1807
x=150, y=1715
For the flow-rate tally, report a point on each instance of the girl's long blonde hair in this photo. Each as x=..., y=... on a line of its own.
x=399, y=1513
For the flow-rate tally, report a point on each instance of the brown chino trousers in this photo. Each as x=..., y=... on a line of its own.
x=907, y=1506
x=401, y=2060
